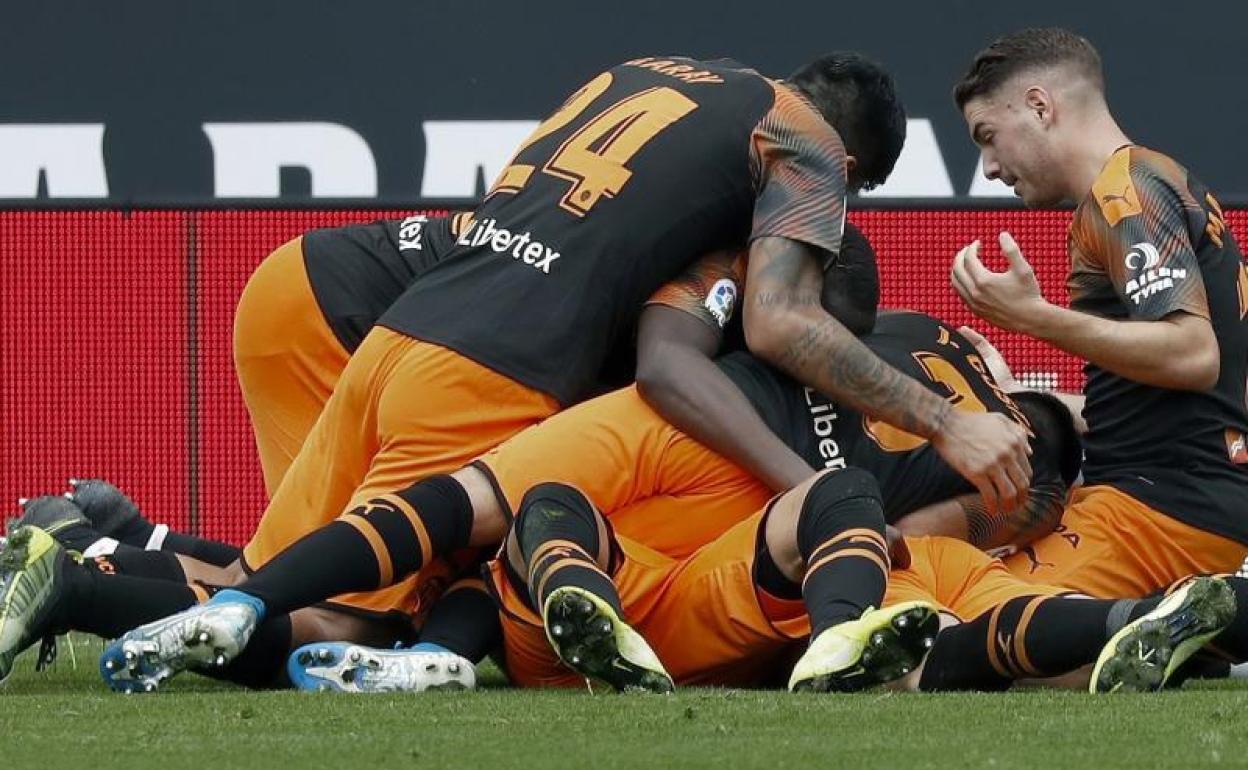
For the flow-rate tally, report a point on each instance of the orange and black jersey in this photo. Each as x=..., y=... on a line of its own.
x=649, y=166
x=1150, y=240
x=910, y=472
x=358, y=271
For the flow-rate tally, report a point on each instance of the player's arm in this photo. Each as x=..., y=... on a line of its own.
x=965, y=518
x=786, y=325
x=677, y=340
x=1167, y=340
x=801, y=175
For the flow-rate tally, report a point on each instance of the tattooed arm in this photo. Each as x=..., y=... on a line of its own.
x=786, y=325
x=965, y=518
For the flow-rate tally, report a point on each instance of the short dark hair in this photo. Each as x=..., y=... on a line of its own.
x=1054, y=437
x=857, y=97
x=1027, y=49
x=851, y=283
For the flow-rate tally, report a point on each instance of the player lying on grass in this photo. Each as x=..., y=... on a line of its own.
x=579, y=601
x=1158, y=310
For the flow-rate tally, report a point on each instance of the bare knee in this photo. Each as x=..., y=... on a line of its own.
x=489, y=523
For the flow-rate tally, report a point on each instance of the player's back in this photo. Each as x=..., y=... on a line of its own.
x=644, y=169
x=357, y=271
x=826, y=434
x=1150, y=240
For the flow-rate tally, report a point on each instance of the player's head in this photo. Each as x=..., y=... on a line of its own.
x=1053, y=432
x=857, y=97
x=851, y=283
x=1027, y=99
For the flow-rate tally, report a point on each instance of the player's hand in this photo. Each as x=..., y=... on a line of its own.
x=992, y=359
x=1010, y=299
x=991, y=451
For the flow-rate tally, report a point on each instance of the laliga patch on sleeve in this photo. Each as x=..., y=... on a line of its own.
x=722, y=300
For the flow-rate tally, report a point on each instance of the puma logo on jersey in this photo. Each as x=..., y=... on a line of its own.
x=522, y=247
x=1111, y=197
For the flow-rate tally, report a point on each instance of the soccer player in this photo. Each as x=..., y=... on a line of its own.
x=579, y=601
x=670, y=495
x=1158, y=306
x=577, y=232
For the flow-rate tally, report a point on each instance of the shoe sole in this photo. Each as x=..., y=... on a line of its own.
x=892, y=651
x=135, y=663
x=585, y=639
x=16, y=557
x=1142, y=656
x=342, y=669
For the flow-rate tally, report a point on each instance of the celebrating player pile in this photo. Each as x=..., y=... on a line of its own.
x=797, y=492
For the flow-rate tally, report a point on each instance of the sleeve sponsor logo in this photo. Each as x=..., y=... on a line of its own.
x=721, y=301
x=1143, y=256
x=1143, y=260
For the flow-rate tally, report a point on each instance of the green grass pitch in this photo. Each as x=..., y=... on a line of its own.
x=65, y=718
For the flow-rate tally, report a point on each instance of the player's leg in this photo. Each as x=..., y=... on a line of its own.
x=827, y=536
x=1037, y=637
x=562, y=545
x=1021, y=630
x=286, y=356
x=667, y=490
x=73, y=529
x=381, y=538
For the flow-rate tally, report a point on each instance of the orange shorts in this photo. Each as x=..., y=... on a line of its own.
x=958, y=577
x=1110, y=545
x=286, y=356
x=711, y=625
x=402, y=411
x=656, y=484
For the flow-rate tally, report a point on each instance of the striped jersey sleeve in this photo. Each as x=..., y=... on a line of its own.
x=799, y=168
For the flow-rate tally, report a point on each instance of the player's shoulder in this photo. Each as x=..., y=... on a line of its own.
x=1134, y=179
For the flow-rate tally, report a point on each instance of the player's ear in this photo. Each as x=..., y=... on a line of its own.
x=851, y=173
x=1040, y=104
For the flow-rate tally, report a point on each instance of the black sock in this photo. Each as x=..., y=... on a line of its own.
x=207, y=551
x=562, y=540
x=1025, y=637
x=110, y=605
x=373, y=546
x=135, y=562
x=840, y=534
x=262, y=663
x=464, y=620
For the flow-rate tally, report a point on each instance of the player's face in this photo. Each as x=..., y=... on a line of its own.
x=1016, y=148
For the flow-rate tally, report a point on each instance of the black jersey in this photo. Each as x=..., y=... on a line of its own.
x=1150, y=240
x=910, y=472
x=358, y=271
x=649, y=166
